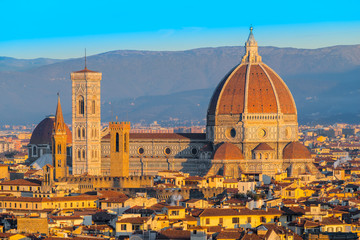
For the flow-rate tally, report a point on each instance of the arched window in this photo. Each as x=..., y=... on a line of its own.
x=34, y=151
x=93, y=106
x=59, y=148
x=79, y=154
x=83, y=155
x=79, y=133
x=81, y=105
x=83, y=132
x=117, y=142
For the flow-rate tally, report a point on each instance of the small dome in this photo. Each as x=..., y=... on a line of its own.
x=228, y=151
x=295, y=150
x=263, y=147
x=43, y=132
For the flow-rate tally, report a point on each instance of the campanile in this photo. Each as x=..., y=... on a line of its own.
x=86, y=122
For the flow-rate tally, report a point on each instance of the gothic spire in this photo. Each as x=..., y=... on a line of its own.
x=59, y=119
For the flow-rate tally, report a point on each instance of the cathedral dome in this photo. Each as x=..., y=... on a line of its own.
x=228, y=151
x=43, y=132
x=295, y=150
x=251, y=87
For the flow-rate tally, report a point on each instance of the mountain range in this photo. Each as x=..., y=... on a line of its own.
x=177, y=85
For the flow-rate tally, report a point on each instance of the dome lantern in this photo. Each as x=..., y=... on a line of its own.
x=251, y=50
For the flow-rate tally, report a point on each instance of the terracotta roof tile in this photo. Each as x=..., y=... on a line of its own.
x=295, y=150
x=85, y=70
x=229, y=235
x=229, y=96
x=134, y=220
x=43, y=132
x=228, y=151
x=263, y=146
x=174, y=234
x=22, y=182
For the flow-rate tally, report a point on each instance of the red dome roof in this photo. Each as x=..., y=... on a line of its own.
x=251, y=87
x=43, y=132
x=228, y=151
x=295, y=150
x=266, y=92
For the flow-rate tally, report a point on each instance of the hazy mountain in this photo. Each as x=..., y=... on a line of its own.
x=13, y=64
x=141, y=84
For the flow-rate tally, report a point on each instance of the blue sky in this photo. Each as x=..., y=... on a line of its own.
x=62, y=29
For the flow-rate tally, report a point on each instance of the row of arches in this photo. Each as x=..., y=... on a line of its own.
x=81, y=154
x=263, y=155
x=81, y=133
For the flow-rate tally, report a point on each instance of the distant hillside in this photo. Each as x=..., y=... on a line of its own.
x=141, y=84
x=13, y=64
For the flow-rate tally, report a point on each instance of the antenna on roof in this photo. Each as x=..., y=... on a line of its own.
x=85, y=58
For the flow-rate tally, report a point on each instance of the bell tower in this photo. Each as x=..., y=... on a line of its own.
x=86, y=122
x=119, y=149
x=59, y=138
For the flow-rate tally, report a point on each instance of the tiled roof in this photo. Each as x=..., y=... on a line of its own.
x=295, y=150
x=115, y=200
x=210, y=212
x=85, y=70
x=43, y=132
x=174, y=234
x=134, y=220
x=331, y=221
x=263, y=146
x=21, y=199
x=264, y=86
x=228, y=151
x=22, y=182
x=194, y=178
x=229, y=235
x=293, y=210
x=66, y=218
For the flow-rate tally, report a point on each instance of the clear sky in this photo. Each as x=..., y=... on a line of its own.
x=62, y=28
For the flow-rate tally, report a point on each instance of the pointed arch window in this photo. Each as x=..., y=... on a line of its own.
x=79, y=154
x=79, y=133
x=81, y=105
x=83, y=132
x=83, y=154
